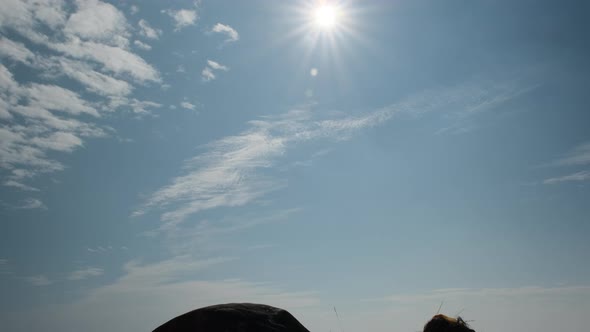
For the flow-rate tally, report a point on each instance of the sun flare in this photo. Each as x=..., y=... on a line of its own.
x=325, y=16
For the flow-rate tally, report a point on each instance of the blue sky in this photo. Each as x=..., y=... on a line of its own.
x=156, y=157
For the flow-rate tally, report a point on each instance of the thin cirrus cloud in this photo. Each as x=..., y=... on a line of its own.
x=230, y=33
x=230, y=172
x=463, y=119
x=213, y=235
x=39, y=280
x=31, y=204
x=579, y=155
x=226, y=175
x=208, y=73
x=55, y=41
x=575, y=157
x=86, y=273
x=575, y=177
x=100, y=249
x=18, y=185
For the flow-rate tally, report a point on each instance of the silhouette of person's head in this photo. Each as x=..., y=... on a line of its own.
x=442, y=323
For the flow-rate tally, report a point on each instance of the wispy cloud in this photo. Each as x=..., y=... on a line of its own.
x=139, y=275
x=227, y=174
x=18, y=185
x=32, y=203
x=575, y=177
x=216, y=66
x=230, y=33
x=147, y=31
x=100, y=249
x=208, y=73
x=188, y=106
x=182, y=18
x=230, y=172
x=260, y=246
x=481, y=100
x=217, y=235
x=575, y=157
x=142, y=45
x=86, y=273
x=39, y=280
x=579, y=155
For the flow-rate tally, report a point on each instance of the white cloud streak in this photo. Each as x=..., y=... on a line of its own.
x=86, y=273
x=579, y=155
x=492, y=98
x=216, y=66
x=230, y=33
x=208, y=73
x=142, y=45
x=231, y=172
x=575, y=177
x=31, y=204
x=215, y=235
x=147, y=31
x=93, y=80
x=18, y=185
x=100, y=249
x=227, y=175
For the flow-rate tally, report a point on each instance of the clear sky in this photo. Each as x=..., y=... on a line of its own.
x=380, y=157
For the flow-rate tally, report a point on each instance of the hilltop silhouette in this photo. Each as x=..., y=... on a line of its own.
x=234, y=317
x=251, y=317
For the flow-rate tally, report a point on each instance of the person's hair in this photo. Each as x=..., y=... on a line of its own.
x=442, y=323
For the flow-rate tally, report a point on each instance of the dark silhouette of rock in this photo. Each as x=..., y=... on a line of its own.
x=234, y=317
x=442, y=323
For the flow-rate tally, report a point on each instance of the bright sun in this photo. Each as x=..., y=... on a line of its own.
x=325, y=16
